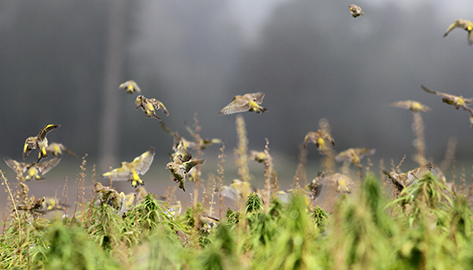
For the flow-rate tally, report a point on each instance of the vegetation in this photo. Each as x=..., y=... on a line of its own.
x=426, y=226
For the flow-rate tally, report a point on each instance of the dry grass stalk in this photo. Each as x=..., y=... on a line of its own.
x=241, y=157
x=419, y=142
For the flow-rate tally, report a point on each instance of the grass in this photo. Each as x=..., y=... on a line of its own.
x=426, y=226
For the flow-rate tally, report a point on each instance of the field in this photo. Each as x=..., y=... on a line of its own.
x=364, y=221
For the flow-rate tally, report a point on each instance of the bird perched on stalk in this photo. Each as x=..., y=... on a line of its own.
x=355, y=11
x=455, y=101
x=354, y=155
x=34, y=170
x=130, y=86
x=180, y=170
x=57, y=148
x=402, y=180
x=129, y=171
x=321, y=139
x=412, y=105
x=247, y=102
x=150, y=106
x=39, y=142
x=465, y=25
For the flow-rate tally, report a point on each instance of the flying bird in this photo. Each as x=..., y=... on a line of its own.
x=129, y=171
x=39, y=142
x=354, y=155
x=34, y=170
x=464, y=24
x=402, y=180
x=412, y=105
x=150, y=106
x=130, y=86
x=355, y=11
x=57, y=148
x=456, y=101
x=321, y=139
x=180, y=170
x=247, y=102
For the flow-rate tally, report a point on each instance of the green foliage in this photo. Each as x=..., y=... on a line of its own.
x=427, y=227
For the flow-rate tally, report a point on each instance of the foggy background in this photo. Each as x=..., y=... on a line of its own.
x=62, y=61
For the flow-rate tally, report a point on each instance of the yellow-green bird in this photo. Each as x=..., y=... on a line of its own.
x=57, y=148
x=354, y=155
x=130, y=86
x=174, y=210
x=129, y=171
x=321, y=139
x=465, y=25
x=50, y=204
x=207, y=221
x=258, y=156
x=39, y=142
x=41, y=224
x=150, y=106
x=402, y=180
x=180, y=170
x=355, y=11
x=247, y=102
x=455, y=101
x=34, y=170
x=412, y=105
x=343, y=183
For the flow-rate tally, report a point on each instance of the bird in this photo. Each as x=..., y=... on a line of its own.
x=34, y=170
x=402, y=180
x=57, y=148
x=344, y=183
x=39, y=142
x=456, y=101
x=41, y=224
x=354, y=155
x=355, y=11
x=321, y=139
x=464, y=24
x=258, y=156
x=150, y=106
x=50, y=204
x=247, y=102
x=207, y=221
x=179, y=170
x=174, y=210
x=412, y=105
x=130, y=86
x=237, y=190
x=129, y=171
x=315, y=186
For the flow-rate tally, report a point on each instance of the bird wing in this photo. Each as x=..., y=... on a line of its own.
x=431, y=91
x=46, y=166
x=159, y=105
x=235, y=106
x=451, y=27
x=120, y=174
x=139, y=102
x=46, y=130
x=15, y=165
x=187, y=166
x=361, y=152
x=144, y=161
